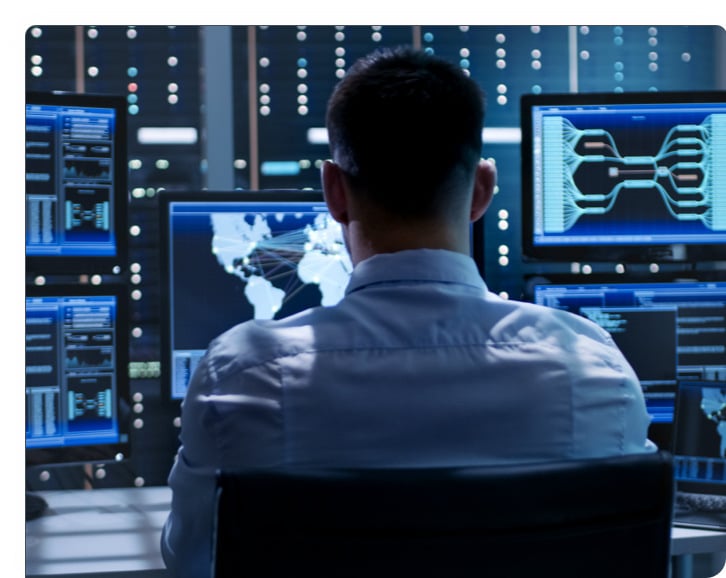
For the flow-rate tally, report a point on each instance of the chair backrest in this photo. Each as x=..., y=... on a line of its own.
x=605, y=517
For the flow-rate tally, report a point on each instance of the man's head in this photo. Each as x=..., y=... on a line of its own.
x=405, y=128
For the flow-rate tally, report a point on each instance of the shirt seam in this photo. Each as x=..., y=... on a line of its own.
x=277, y=358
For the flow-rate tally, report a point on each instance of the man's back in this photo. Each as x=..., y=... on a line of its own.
x=417, y=366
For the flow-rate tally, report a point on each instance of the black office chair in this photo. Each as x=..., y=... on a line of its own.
x=596, y=518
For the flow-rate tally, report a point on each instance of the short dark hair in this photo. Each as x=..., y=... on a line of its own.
x=405, y=126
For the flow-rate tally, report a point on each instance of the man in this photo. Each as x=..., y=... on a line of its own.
x=419, y=364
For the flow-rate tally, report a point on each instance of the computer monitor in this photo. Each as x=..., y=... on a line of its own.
x=231, y=256
x=669, y=332
x=625, y=177
x=699, y=444
x=76, y=374
x=76, y=196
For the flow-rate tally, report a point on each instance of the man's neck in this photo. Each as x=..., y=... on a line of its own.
x=364, y=242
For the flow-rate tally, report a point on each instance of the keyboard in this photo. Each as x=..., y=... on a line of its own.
x=700, y=502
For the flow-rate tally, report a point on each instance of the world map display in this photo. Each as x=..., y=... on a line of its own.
x=713, y=405
x=232, y=261
x=274, y=255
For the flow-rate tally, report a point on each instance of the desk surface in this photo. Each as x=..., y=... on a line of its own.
x=693, y=541
x=107, y=532
x=116, y=532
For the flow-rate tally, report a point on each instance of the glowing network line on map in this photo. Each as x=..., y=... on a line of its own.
x=277, y=266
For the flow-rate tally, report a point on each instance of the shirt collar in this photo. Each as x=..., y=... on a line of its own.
x=419, y=265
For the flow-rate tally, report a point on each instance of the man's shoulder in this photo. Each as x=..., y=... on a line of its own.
x=533, y=319
x=256, y=342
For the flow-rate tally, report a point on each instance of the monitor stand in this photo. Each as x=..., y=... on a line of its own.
x=35, y=506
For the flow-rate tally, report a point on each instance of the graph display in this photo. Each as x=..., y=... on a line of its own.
x=234, y=256
x=620, y=173
x=75, y=180
x=75, y=368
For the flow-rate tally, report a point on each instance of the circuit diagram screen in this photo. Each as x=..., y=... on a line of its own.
x=622, y=174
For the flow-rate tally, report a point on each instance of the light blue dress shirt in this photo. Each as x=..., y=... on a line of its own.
x=418, y=365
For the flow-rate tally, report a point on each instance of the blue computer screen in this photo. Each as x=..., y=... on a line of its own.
x=75, y=182
x=76, y=373
x=699, y=444
x=233, y=256
x=669, y=332
x=622, y=170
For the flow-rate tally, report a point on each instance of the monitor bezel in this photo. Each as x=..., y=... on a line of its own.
x=94, y=453
x=60, y=264
x=165, y=199
x=615, y=252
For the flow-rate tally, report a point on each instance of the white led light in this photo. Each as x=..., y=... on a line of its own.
x=167, y=135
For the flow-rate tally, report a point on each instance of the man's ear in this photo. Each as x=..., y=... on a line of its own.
x=485, y=180
x=335, y=191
